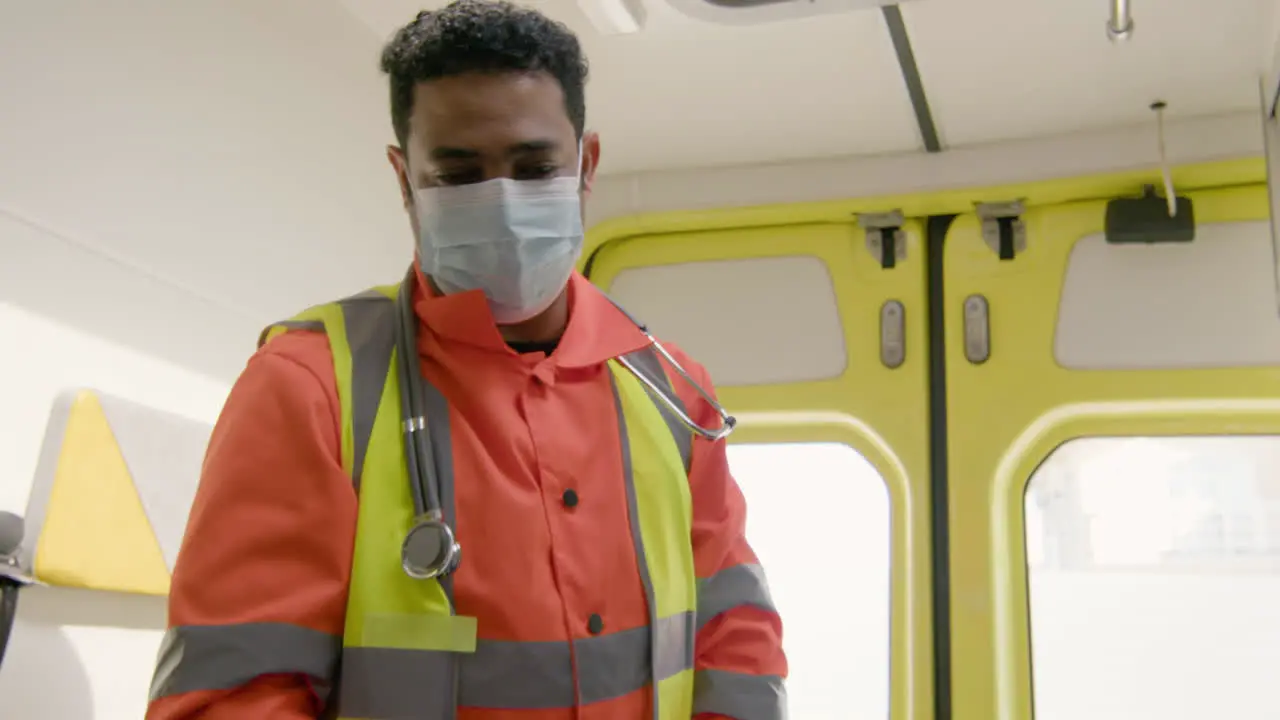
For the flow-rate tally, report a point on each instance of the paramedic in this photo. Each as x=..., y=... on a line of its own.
x=573, y=599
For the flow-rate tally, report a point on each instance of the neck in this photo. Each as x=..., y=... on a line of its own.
x=546, y=326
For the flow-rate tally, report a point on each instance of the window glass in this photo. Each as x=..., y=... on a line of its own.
x=1154, y=578
x=818, y=518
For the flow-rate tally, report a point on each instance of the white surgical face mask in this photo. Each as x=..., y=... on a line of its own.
x=517, y=240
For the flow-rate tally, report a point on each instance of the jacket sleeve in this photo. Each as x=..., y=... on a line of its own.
x=739, y=665
x=259, y=590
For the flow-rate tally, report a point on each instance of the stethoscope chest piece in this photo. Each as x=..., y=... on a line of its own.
x=430, y=549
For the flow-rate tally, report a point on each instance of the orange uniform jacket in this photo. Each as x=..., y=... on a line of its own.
x=272, y=529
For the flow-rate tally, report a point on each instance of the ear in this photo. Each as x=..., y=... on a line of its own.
x=590, y=160
x=400, y=164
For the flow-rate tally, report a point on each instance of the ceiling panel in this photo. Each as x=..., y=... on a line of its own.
x=1003, y=69
x=688, y=93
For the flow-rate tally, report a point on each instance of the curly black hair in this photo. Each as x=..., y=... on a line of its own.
x=491, y=36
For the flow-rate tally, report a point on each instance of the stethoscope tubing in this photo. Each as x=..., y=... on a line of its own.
x=424, y=493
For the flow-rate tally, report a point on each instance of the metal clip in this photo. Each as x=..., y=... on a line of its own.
x=1003, y=229
x=886, y=241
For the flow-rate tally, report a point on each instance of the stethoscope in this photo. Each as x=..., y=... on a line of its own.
x=430, y=548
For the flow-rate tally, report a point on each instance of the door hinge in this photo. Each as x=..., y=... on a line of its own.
x=886, y=241
x=1003, y=229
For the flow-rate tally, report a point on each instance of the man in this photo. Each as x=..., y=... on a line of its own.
x=606, y=574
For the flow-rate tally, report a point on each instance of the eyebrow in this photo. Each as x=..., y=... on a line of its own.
x=527, y=147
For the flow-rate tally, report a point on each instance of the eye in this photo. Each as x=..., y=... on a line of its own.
x=537, y=172
x=459, y=177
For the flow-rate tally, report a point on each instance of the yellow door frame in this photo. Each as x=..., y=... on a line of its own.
x=947, y=673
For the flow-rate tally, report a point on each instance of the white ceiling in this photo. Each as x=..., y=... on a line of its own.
x=688, y=93
x=1002, y=69
x=173, y=175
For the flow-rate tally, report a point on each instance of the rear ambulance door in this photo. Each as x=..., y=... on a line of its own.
x=787, y=311
x=1113, y=439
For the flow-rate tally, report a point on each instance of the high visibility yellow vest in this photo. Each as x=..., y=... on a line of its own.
x=405, y=653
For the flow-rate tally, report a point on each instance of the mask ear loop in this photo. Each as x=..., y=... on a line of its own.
x=581, y=160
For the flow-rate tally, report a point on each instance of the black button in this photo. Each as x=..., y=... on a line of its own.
x=595, y=624
x=570, y=498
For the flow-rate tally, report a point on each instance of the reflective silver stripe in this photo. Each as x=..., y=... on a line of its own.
x=387, y=683
x=637, y=541
x=739, y=696
x=370, y=324
x=732, y=587
x=220, y=657
x=648, y=362
x=674, y=645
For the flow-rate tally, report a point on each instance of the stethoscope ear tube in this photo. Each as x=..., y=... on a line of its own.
x=727, y=421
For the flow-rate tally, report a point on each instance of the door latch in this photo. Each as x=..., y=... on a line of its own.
x=893, y=336
x=977, y=329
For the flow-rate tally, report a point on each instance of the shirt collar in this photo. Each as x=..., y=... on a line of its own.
x=597, y=330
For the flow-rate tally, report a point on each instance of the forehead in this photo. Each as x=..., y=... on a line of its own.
x=489, y=111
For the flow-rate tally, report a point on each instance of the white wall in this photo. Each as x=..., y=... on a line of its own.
x=172, y=176
x=76, y=654
x=207, y=165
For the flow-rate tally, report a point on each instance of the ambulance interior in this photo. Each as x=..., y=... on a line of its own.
x=1000, y=462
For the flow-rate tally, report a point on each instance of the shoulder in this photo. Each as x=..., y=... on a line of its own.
x=285, y=398
x=304, y=350
x=295, y=367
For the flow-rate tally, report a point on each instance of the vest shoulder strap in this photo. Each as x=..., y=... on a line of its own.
x=361, y=332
